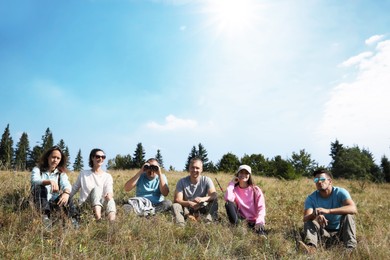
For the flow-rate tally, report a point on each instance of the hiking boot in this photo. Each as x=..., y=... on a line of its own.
x=307, y=249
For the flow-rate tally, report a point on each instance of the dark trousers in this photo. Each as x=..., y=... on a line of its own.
x=235, y=218
x=45, y=206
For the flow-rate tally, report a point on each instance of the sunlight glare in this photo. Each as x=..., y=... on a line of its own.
x=233, y=17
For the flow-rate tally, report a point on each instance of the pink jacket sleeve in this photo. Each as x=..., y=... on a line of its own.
x=260, y=206
x=229, y=194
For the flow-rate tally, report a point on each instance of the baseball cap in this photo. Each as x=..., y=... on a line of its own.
x=244, y=167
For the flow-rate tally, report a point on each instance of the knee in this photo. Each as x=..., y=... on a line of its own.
x=176, y=207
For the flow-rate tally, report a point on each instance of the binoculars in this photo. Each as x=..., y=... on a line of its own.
x=151, y=167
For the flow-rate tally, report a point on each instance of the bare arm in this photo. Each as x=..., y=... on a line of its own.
x=211, y=195
x=348, y=207
x=164, y=189
x=178, y=198
x=130, y=184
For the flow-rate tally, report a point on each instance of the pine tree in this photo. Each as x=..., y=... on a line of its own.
x=34, y=156
x=385, y=167
x=21, y=153
x=78, y=162
x=139, y=156
x=47, y=140
x=159, y=159
x=6, y=150
x=193, y=154
x=65, y=150
x=202, y=154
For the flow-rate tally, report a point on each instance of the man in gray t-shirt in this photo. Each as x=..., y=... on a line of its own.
x=195, y=195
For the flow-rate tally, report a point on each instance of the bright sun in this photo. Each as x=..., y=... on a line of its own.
x=232, y=17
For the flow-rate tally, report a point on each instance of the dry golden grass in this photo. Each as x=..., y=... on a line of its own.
x=23, y=237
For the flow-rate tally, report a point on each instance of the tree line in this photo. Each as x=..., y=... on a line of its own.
x=347, y=162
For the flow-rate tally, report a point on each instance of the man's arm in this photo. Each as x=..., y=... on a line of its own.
x=211, y=195
x=308, y=214
x=348, y=207
x=185, y=203
x=130, y=184
x=164, y=189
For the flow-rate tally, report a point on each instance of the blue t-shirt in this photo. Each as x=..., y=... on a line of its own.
x=150, y=189
x=335, y=200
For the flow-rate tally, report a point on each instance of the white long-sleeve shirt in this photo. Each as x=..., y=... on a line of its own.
x=87, y=180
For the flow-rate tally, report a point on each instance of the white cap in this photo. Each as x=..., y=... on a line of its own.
x=244, y=167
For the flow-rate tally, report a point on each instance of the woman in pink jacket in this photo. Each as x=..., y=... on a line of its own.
x=245, y=200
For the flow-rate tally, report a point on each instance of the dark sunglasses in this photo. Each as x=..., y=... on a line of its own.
x=322, y=179
x=100, y=156
x=151, y=167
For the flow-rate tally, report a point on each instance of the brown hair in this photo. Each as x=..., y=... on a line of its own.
x=43, y=163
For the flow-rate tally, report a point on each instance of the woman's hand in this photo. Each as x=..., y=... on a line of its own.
x=64, y=198
x=108, y=196
x=54, y=186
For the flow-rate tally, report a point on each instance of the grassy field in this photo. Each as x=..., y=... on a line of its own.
x=130, y=237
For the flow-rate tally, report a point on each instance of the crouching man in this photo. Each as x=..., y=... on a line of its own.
x=328, y=215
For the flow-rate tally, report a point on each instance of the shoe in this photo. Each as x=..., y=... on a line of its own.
x=46, y=221
x=75, y=223
x=348, y=251
x=307, y=249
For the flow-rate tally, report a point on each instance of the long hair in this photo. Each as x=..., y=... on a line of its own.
x=92, y=154
x=43, y=163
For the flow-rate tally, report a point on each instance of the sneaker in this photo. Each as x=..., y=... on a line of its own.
x=307, y=249
x=46, y=221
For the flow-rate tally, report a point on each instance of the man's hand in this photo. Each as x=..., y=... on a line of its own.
x=192, y=204
x=322, y=211
x=198, y=200
x=322, y=220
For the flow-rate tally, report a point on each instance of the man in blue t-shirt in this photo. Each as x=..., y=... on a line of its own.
x=328, y=214
x=151, y=184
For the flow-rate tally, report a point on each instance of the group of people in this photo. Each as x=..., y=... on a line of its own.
x=328, y=211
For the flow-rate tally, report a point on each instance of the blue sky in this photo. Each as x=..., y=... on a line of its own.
x=269, y=77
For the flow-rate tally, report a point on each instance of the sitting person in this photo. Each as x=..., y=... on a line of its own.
x=328, y=214
x=50, y=186
x=245, y=200
x=151, y=187
x=96, y=186
x=195, y=195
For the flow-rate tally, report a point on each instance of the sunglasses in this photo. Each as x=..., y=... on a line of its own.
x=322, y=179
x=151, y=167
x=100, y=156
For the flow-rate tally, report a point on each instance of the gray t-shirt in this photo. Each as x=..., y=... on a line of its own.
x=191, y=191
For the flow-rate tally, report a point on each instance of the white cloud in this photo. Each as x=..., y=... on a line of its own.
x=355, y=60
x=373, y=39
x=173, y=123
x=357, y=111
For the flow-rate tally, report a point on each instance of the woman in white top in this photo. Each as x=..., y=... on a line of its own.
x=96, y=186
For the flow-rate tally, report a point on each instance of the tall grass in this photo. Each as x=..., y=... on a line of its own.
x=22, y=235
